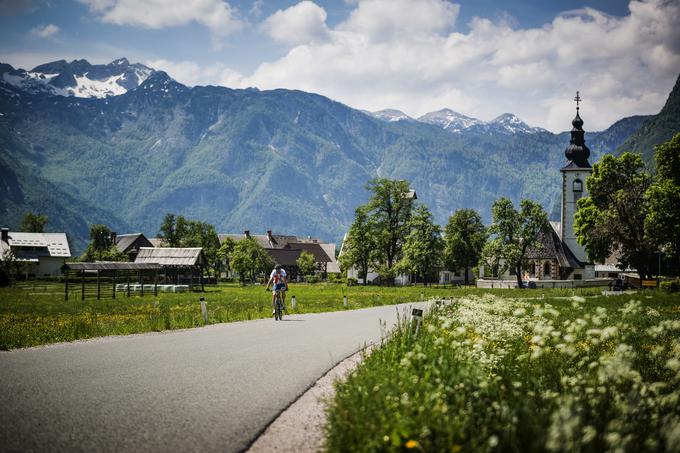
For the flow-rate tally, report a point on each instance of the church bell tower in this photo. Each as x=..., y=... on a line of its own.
x=574, y=176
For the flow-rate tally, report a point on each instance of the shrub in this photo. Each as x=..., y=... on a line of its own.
x=312, y=278
x=672, y=286
x=352, y=281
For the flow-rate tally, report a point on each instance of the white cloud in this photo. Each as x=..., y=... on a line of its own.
x=191, y=73
x=412, y=57
x=408, y=55
x=216, y=15
x=382, y=20
x=45, y=31
x=303, y=23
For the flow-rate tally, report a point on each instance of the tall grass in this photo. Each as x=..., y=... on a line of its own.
x=498, y=374
x=36, y=313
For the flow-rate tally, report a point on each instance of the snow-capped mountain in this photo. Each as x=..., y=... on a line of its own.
x=450, y=120
x=391, y=115
x=510, y=123
x=78, y=78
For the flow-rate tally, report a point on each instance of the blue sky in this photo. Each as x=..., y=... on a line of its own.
x=481, y=58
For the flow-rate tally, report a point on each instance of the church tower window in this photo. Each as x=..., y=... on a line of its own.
x=578, y=185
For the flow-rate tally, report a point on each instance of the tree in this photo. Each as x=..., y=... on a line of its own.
x=250, y=259
x=176, y=231
x=33, y=223
x=225, y=251
x=517, y=231
x=423, y=245
x=612, y=218
x=200, y=234
x=492, y=254
x=10, y=268
x=359, y=244
x=167, y=231
x=389, y=210
x=662, y=224
x=101, y=246
x=464, y=238
x=306, y=263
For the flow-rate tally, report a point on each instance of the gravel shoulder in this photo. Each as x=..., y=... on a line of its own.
x=300, y=428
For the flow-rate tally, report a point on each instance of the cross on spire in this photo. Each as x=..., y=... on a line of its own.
x=577, y=99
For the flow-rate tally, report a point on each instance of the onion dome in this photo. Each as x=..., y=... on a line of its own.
x=577, y=153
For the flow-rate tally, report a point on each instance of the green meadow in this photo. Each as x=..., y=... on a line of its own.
x=496, y=373
x=36, y=313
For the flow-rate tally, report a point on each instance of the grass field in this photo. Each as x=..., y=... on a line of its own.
x=495, y=373
x=36, y=313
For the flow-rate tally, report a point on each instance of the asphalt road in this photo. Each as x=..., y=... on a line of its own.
x=207, y=389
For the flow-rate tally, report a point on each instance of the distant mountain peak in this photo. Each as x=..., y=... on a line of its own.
x=78, y=78
x=391, y=115
x=450, y=120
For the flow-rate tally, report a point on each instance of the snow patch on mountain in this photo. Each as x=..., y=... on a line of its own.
x=451, y=121
x=78, y=78
x=391, y=115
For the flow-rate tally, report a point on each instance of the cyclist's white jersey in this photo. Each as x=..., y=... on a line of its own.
x=278, y=277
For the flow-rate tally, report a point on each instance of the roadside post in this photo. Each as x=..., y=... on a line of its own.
x=293, y=302
x=344, y=301
x=416, y=319
x=204, y=310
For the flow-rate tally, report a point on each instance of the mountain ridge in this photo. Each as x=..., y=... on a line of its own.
x=284, y=160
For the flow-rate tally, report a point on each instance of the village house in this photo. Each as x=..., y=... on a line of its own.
x=286, y=249
x=43, y=254
x=130, y=243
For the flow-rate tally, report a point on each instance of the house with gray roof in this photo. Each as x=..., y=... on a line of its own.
x=130, y=244
x=43, y=254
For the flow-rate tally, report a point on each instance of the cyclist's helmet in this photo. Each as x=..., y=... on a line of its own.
x=277, y=267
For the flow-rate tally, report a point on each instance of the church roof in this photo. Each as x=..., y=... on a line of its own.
x=577, y=152
x=552, y=247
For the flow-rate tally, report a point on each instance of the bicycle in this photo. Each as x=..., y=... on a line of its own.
x=278, y=306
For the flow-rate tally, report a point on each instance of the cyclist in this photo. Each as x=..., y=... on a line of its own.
x=280, y=279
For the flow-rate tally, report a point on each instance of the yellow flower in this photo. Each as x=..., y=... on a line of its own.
x=412, y=444
x=456, y=448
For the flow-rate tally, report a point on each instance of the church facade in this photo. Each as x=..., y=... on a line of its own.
x=560, y=259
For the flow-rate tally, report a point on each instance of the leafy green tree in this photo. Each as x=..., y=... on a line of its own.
x=423, y=245
x=306, y=263
x=33, y=223
x=464, y=238
x=492, y=257
x=662, y=224
x=101, y=246
x=10, y=268
x=612, y=218
x=225, y=251
x=359, y=245
x=168, y=232
x=389, y=210
x=201, y=234
x=517, y=231
x=249, y=259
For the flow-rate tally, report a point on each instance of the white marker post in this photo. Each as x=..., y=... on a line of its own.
x=293, y=302
x=344, y=301
x=416, y=318
x=204, y=310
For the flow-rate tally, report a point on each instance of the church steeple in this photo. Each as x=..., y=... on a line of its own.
x=577, y=152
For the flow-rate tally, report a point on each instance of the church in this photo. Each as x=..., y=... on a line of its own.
x=560, y=260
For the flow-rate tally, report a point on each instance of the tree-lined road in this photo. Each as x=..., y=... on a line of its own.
x=205, y=389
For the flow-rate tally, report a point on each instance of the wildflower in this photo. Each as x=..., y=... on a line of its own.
x=386, y=439
x=493, y=441
x=456, y=448
x=412, y=444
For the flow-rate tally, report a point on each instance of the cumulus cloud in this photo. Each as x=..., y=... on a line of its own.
x=45, y=31
x=191, y=73
x=302, y=23
x=411, y=55
x=216, y=15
